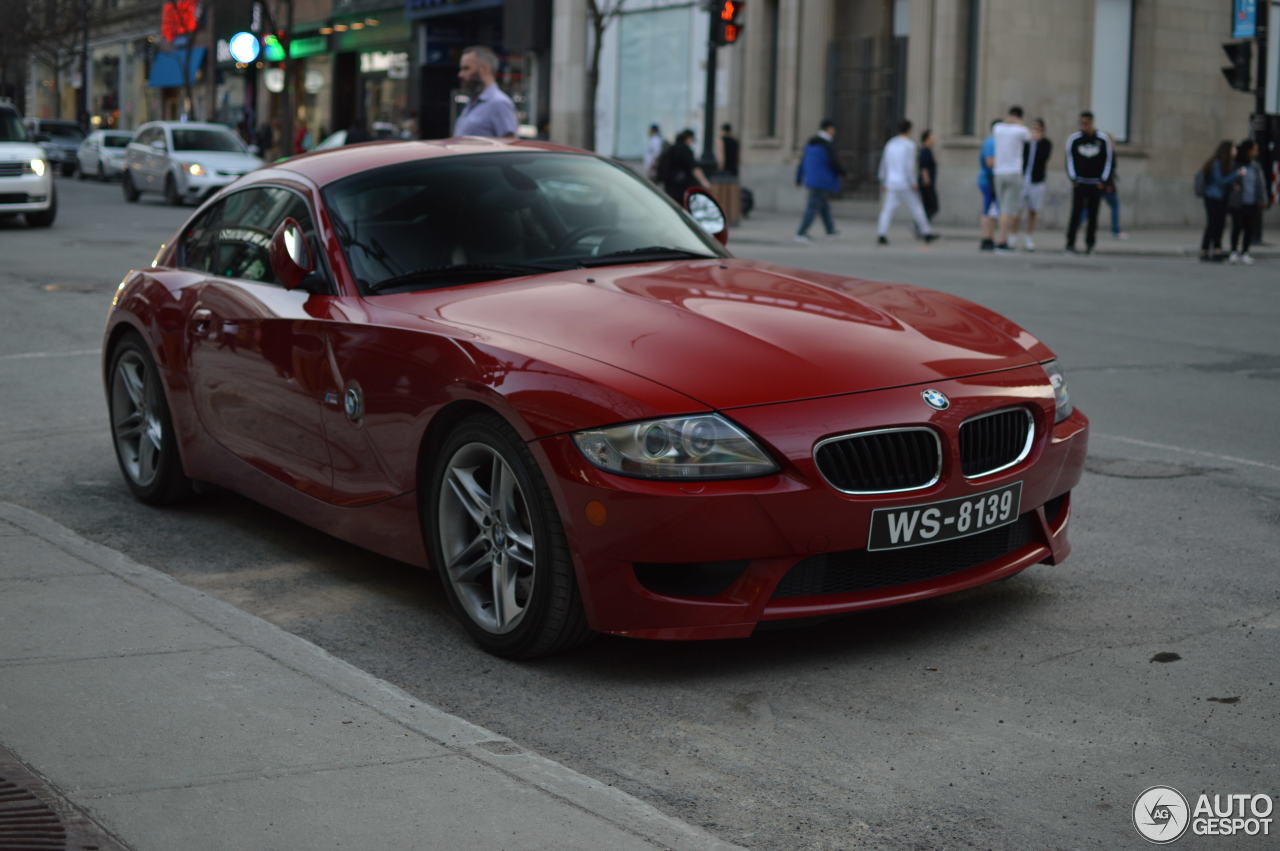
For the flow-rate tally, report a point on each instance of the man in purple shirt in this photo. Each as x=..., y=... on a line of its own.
x=490, y=112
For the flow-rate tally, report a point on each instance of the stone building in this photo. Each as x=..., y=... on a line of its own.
x=1149, y=70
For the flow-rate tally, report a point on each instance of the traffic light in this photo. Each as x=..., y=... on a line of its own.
x=1240, y=53
x=726, y=21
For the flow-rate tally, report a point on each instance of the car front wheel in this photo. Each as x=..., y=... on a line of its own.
x=141, y=428
x=171, y=196
x=130, y=191
x=498, y=544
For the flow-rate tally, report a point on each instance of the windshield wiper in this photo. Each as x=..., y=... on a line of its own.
x=459, y=272
x=643, y=255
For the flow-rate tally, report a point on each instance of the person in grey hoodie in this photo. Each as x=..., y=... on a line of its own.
x=1246, y=200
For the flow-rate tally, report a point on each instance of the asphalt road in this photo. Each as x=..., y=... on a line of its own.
x=1025, y=714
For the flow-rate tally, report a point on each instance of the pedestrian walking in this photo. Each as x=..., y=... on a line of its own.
x=1035, y=165
x=1213, y=181
x=680, y=167
x=653, y=148
x=489, y=112
x=1010, y=135
x=928, y=176
x=729, y=148
x=898, y=168
x=819, y=172
x=1089, y=155
x=987, y=186
x=1246, y=199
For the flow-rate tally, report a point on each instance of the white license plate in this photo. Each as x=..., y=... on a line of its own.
x=930, y=522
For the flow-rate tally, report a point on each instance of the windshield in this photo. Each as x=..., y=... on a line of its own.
x=65, y=132
x=509, y=212
x=205, y=139
x=11, y=129
x=116, y=140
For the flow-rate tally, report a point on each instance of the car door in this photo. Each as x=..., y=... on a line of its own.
x=256, y=350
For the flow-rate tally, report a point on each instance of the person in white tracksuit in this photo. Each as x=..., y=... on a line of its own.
x=898, y=184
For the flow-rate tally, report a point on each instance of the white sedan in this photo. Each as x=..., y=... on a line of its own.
x=102, y=153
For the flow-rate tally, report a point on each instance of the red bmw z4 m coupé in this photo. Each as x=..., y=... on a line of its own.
x=523, y=366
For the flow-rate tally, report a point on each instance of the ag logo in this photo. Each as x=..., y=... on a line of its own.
x=1161, y=814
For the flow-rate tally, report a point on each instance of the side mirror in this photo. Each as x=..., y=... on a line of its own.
x=159, y=145
x=291, y=259
x=707, y=213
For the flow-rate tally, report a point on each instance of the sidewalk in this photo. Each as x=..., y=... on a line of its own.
x=857, y=226
x=174, y=720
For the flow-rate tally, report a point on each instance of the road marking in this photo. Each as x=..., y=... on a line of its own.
x=74, y=353
x=1153, y=445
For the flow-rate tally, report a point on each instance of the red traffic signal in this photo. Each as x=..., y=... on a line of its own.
x=726, y=21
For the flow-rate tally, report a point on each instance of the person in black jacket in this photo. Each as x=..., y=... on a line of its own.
x=1035, y=162
x=681, y=170
x=928, y=175
x=1090, y=156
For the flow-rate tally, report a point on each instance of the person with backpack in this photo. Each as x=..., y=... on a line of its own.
x=1212, y=182
x=678, y=167
x=819, y=172
x=1246, y=200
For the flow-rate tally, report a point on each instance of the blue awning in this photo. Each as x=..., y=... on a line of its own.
x=166, y=68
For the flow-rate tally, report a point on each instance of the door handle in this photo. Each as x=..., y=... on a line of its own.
x=201, y=322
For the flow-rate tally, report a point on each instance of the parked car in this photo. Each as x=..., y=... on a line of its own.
x=60, y=139
x=26, y=178
x=525, y=366
x=102, y=153
x=184, y=160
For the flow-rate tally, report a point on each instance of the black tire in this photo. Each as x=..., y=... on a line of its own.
x=156, y=477
x=552, y=618
x=68, y=169
x=102, y=173
x=171, y=196
x=45, y=219
x=126, y=185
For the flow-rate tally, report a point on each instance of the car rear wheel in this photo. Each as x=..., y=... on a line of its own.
x=498, y=544
x=141, y=429
x=171, y=196
x=130, y=192
x=102, y=173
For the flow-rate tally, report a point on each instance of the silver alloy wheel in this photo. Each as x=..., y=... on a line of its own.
x=135, y=418
x=486, y=538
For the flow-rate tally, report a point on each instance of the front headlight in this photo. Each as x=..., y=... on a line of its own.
x=1061, y=398
x=36, y=167
x=194, y=169
x=703, y=446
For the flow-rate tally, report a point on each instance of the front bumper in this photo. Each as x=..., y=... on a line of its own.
x=28, y=193
x=204, y=185
x=700, y=560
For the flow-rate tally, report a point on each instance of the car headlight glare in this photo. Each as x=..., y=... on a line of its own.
x=1061, y=396
x=195, y=169
x=36, y=167
x=703, y=446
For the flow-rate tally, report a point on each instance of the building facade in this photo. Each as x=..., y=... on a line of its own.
x=1148, y=69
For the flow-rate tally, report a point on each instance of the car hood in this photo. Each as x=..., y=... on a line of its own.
x=226, y=161
x=20, y=152
x=732, y=333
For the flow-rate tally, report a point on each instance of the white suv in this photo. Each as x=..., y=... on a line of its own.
x=184, y=160
x=26, y=179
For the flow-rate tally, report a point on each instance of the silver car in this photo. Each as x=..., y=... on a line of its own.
x=185, y=160
x=101, y=154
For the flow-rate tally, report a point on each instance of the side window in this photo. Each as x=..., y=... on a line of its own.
x=196, y=246
x=146, y=136
x=249, y=220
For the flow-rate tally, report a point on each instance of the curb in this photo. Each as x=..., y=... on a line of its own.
x=457, y=734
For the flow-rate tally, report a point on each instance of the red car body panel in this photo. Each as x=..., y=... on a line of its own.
x=255, y=377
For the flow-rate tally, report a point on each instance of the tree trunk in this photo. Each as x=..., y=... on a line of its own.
x=593, y=84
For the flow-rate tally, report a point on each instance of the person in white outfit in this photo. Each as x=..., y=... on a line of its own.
x=898, y=184
x=1010, y=135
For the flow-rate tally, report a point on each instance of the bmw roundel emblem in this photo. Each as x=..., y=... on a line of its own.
x=936, y=399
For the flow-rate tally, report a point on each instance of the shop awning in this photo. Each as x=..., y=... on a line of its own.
x=166, y=68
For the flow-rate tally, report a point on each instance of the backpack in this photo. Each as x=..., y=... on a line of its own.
x=1199, y=183
x=661, y=167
